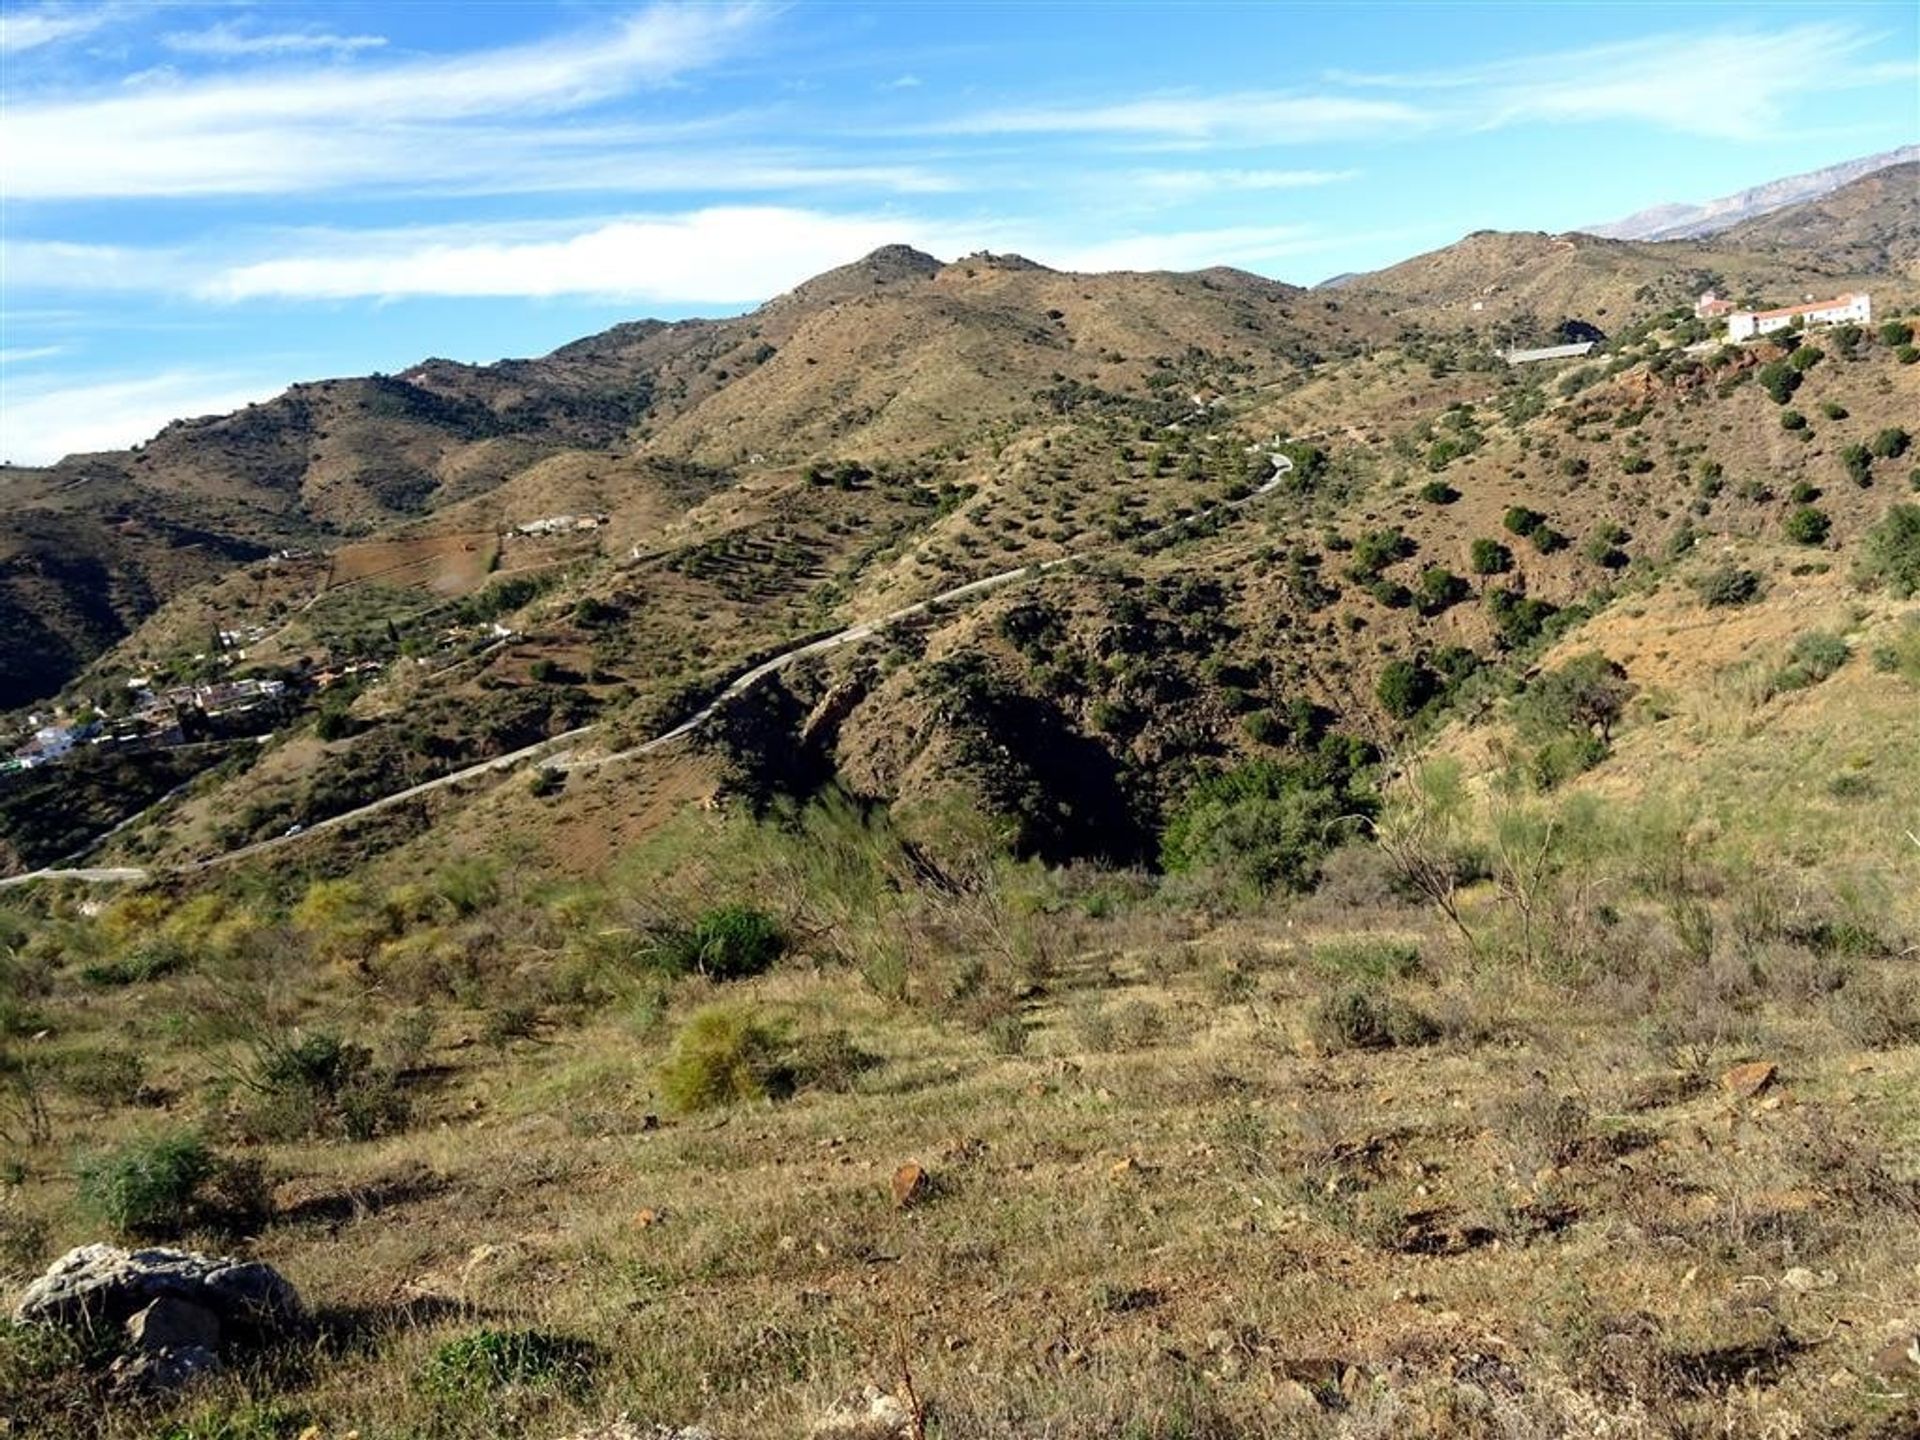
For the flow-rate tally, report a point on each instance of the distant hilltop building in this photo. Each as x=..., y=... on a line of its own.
x=1841, y=310
x=1711, y=307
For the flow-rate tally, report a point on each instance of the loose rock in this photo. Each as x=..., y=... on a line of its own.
x=1747, y=1081
x=871, y=1414
x=911, y=1183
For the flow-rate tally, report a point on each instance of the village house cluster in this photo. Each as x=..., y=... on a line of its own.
x=158, y=718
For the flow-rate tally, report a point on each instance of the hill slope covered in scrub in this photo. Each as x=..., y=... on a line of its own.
x=1407, y=929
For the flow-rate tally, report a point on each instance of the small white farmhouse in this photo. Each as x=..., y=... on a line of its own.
x=1841, y=310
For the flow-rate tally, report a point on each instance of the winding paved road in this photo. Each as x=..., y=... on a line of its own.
x=852, y=635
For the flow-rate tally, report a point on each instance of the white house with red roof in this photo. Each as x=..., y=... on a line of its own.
x=1841, y=310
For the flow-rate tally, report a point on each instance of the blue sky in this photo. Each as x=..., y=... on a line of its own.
x=206, y=202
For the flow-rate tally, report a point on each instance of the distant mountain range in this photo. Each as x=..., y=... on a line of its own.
x=1681, y=221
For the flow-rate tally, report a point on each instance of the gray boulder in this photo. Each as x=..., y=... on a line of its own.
x=178, y=1312
x=100, y=1286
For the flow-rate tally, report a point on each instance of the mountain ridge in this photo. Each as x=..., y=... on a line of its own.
x=1684, y=220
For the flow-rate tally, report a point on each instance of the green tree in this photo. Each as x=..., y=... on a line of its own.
x=1589, y=693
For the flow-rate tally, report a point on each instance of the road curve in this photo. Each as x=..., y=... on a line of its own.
x=852, y=635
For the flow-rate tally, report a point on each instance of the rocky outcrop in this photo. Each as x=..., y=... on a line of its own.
x=180, y=1314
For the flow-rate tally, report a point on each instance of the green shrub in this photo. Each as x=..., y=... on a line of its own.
x=1728, y=586
x=1833, y=410
x=318, y=1083
x=1365, y=1017
x=1490, y=557
x=110, y=1079
x=1779, y=379
x=146, y=1188
x=1807, y=525
x=1440, y=589
x=1890, y=443
x=151, y=959
x=1858, y=461
x=1895, y=333
x=723, y=1055
x=1890, y=552
x=1562, y=758
x=1269, y=823
x=730, y=942
x=1586, y=695
x=1438, y=492
x=1901, y=655
x=1815, y=656
x=1547, y=540
x=1520, y=619
x=1519, y=520
x=475, y=1365
x=1792, y=420
x=1404, y=687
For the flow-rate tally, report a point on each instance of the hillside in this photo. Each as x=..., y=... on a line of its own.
x=1524, y=285
x=982, y=852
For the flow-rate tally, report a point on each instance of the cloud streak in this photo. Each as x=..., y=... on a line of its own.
x=1729, y=84
x=280, y=131
x=724, y=255
x=49, y=24
x=229, y=41
x=1268, y=119
x=40, y=427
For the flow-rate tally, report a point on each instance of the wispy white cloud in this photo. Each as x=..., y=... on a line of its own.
x=461, y=116
x=41, y=426
x=21, y=355
x=1723, y=83
x=1183, y=184
x=1730, y=84
x=723, y=256
x=229, y=40
x=1268, y=119
x=48, y=24
x=1238, y=245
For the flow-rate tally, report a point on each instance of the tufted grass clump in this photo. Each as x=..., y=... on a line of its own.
x=1369, y=957
x=476, y=1365
x=1367, y=1017
x=724, y=1055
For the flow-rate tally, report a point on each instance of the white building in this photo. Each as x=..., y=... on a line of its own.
x=1841, y=310
x=1548, y=352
